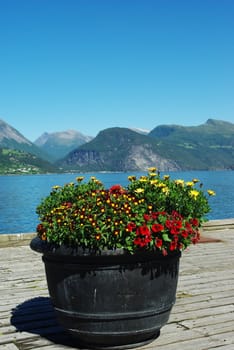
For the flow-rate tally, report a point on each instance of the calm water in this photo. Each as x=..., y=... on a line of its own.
x=20, y=195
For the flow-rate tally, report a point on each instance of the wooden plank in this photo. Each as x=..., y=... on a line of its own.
x=9, y=347
x=201, y=319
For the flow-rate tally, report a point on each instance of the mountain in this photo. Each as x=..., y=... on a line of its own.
x=18, y=155
x=207, y=146
x=12, y=139
x=117, y=149
x=59, y=144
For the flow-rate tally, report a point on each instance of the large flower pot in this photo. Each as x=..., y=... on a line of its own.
x=110, y=300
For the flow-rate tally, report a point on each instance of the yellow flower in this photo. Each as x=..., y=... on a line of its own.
x=139, y=190
x=161, y=185
x=152, y=174
x=154, y=181
x=195, y=181
x=132, y=178
x=143, y=178
x=179, y=182
x=56, y=187
x=194, y=193
x=211, y=193
x=190, y=183
x=79, y=178
x=152, y=169
x=165, y=190
x=98, y=182
x=166, y=177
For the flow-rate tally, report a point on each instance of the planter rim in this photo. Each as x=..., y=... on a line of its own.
x=47, y=248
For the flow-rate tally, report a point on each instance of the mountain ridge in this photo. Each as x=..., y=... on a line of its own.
x=209, y=146
x=58, y=144
x=116, y=149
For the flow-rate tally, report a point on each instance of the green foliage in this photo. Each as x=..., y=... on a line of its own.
x=151, y=213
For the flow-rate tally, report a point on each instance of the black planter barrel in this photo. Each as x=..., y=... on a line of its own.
x=114, y=300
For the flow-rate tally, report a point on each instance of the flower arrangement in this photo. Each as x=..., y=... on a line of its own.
x=151, y=213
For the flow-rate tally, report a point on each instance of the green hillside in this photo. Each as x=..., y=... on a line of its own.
x=20, y=162
x=116, y=139
x=208, y=146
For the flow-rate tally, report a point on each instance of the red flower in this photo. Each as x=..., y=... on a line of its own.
x=143, y=230
x=180, y=246
x=131, y=226
x=168, y=223
x=174, y=226
x=176, y=215
x=158, y=242
x=184, y=233
x=67, y=204
x=143, y=236
x=147, y=217
x=116, y=189
x=157, y=227
x=173, y=245
x=196, y=237
x=164, y=252
x=141, y=242
x=40, y=228
x=194, y=222
x=156, y=214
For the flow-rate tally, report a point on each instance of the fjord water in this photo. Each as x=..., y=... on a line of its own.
x=20, y=194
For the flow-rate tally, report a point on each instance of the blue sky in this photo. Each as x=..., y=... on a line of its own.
x=93, y=64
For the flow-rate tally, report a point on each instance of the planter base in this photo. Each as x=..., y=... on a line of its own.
x=112, y=331
x=131, y=345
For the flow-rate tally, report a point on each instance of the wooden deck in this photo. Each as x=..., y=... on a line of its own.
x=202, y=318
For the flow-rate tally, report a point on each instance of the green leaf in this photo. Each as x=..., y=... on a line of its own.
x=118, y=245
x=166, y=238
